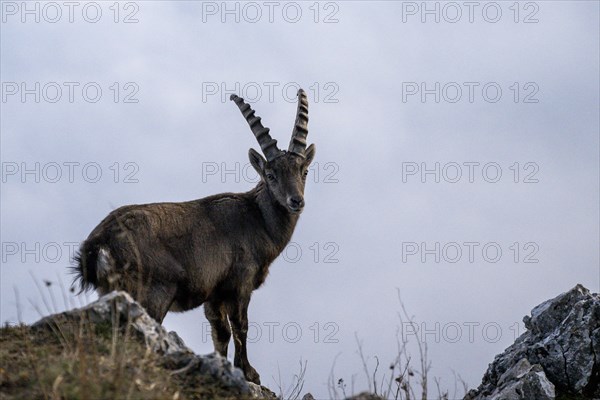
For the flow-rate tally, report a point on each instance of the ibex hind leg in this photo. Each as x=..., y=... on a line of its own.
x=157, y=300
x=153, y=282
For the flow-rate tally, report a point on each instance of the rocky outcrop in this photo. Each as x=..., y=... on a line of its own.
x=524, y=381
x=119, y=309
x=558, y=355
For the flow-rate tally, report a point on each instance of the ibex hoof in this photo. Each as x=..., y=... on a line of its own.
x=252, y=376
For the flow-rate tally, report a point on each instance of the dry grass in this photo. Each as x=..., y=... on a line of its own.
x=403, y=378
x=80, y=360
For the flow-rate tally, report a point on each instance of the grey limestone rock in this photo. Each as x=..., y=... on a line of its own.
x=558, y=354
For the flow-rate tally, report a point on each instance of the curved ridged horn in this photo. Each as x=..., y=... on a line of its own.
x=268, y=145
x=298, y=141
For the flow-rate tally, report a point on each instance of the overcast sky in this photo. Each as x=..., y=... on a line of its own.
x=457, y=160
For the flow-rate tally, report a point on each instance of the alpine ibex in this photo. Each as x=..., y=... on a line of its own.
x=213, y=251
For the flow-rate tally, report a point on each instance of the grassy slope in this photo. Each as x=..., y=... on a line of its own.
x=76, y=362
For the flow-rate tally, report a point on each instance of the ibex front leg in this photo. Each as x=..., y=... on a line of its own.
x=221, y=333
x=238, y=315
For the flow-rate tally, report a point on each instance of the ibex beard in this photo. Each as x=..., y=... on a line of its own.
x=214, y=251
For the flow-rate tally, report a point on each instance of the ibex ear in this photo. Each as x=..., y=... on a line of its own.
x=310, y=154
x=257, y=161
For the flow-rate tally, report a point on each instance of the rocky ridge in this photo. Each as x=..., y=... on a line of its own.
x=557, y=357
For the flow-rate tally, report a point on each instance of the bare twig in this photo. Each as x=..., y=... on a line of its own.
x=298, y=382
x=363, y=360
x=333, y=394
x=37, y=284
x=375, y=375
x=63, y=291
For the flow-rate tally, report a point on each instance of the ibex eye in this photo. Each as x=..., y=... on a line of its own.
x=271, y=177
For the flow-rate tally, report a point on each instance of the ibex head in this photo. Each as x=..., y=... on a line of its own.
x=283, y=172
